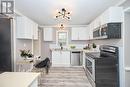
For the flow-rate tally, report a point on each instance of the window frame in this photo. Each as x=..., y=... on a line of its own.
x=57, y=36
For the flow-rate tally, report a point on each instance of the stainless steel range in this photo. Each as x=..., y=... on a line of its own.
x=102, y=68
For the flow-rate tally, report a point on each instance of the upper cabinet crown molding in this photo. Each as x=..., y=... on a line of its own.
x=26, y=28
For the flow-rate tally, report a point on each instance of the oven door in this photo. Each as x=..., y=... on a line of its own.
x=90, y=66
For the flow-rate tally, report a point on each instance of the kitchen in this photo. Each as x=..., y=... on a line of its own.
x=71, y=42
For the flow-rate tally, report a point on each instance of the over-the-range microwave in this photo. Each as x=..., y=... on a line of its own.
x=107, y=31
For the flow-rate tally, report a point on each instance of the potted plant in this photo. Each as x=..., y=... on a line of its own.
x=94, y=46
x=72, y=47
x=26, y=53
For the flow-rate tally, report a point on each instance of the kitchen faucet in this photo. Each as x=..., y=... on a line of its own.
x=61, y=46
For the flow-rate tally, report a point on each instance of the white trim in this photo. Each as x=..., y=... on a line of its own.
x=122, y=61
x=13, y=42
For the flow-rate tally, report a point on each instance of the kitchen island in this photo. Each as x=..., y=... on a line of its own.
x=19, y=79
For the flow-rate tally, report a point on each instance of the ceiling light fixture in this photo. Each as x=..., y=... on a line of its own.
x=63, y=14
x=61, y=26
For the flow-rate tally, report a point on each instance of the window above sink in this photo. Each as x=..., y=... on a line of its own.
x=62, y=37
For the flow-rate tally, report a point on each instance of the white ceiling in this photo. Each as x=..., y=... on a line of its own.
x=44, y=11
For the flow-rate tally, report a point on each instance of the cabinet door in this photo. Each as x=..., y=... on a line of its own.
x=61, y=58
x=20, y=27
x=29, y=28
x=115, y=14
x=74, y=33
x=24, y=27
x=56, y=58
x=102, y=19
x=48, y=34
x=80, y=33
x=83, y=33
x=65, y=58
x=91, y=31
x=35, y=31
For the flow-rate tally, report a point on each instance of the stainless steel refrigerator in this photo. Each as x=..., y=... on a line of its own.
x=5, y=45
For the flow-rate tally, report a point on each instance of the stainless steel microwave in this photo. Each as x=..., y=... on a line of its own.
x=96, y=33
x=108, y=31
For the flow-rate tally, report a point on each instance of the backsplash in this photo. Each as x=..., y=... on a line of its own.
x=113, y=42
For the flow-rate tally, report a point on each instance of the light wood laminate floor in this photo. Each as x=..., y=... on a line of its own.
x=64, y=77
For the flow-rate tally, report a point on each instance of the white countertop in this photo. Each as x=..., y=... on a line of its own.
x=27, y=61
x=17, y=79
x=91, y=51
x=86, y=51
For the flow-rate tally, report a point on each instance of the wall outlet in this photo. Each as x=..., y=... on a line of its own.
x=24, y=44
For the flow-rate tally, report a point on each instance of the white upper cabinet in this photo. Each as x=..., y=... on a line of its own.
x=48, y=34
x=74, y=33
x=23, y=28
x=35, y=31
x=84, y=33
x=80, y=33
x=113, y=14
x=91, y=31
x=96, y=23
x=26, y=28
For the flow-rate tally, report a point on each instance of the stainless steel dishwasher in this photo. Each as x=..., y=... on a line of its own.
x=75, y=58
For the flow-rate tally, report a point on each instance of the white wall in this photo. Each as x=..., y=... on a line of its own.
x=127, y=39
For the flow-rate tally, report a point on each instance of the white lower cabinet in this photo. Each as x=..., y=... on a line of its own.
x=61, y=58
